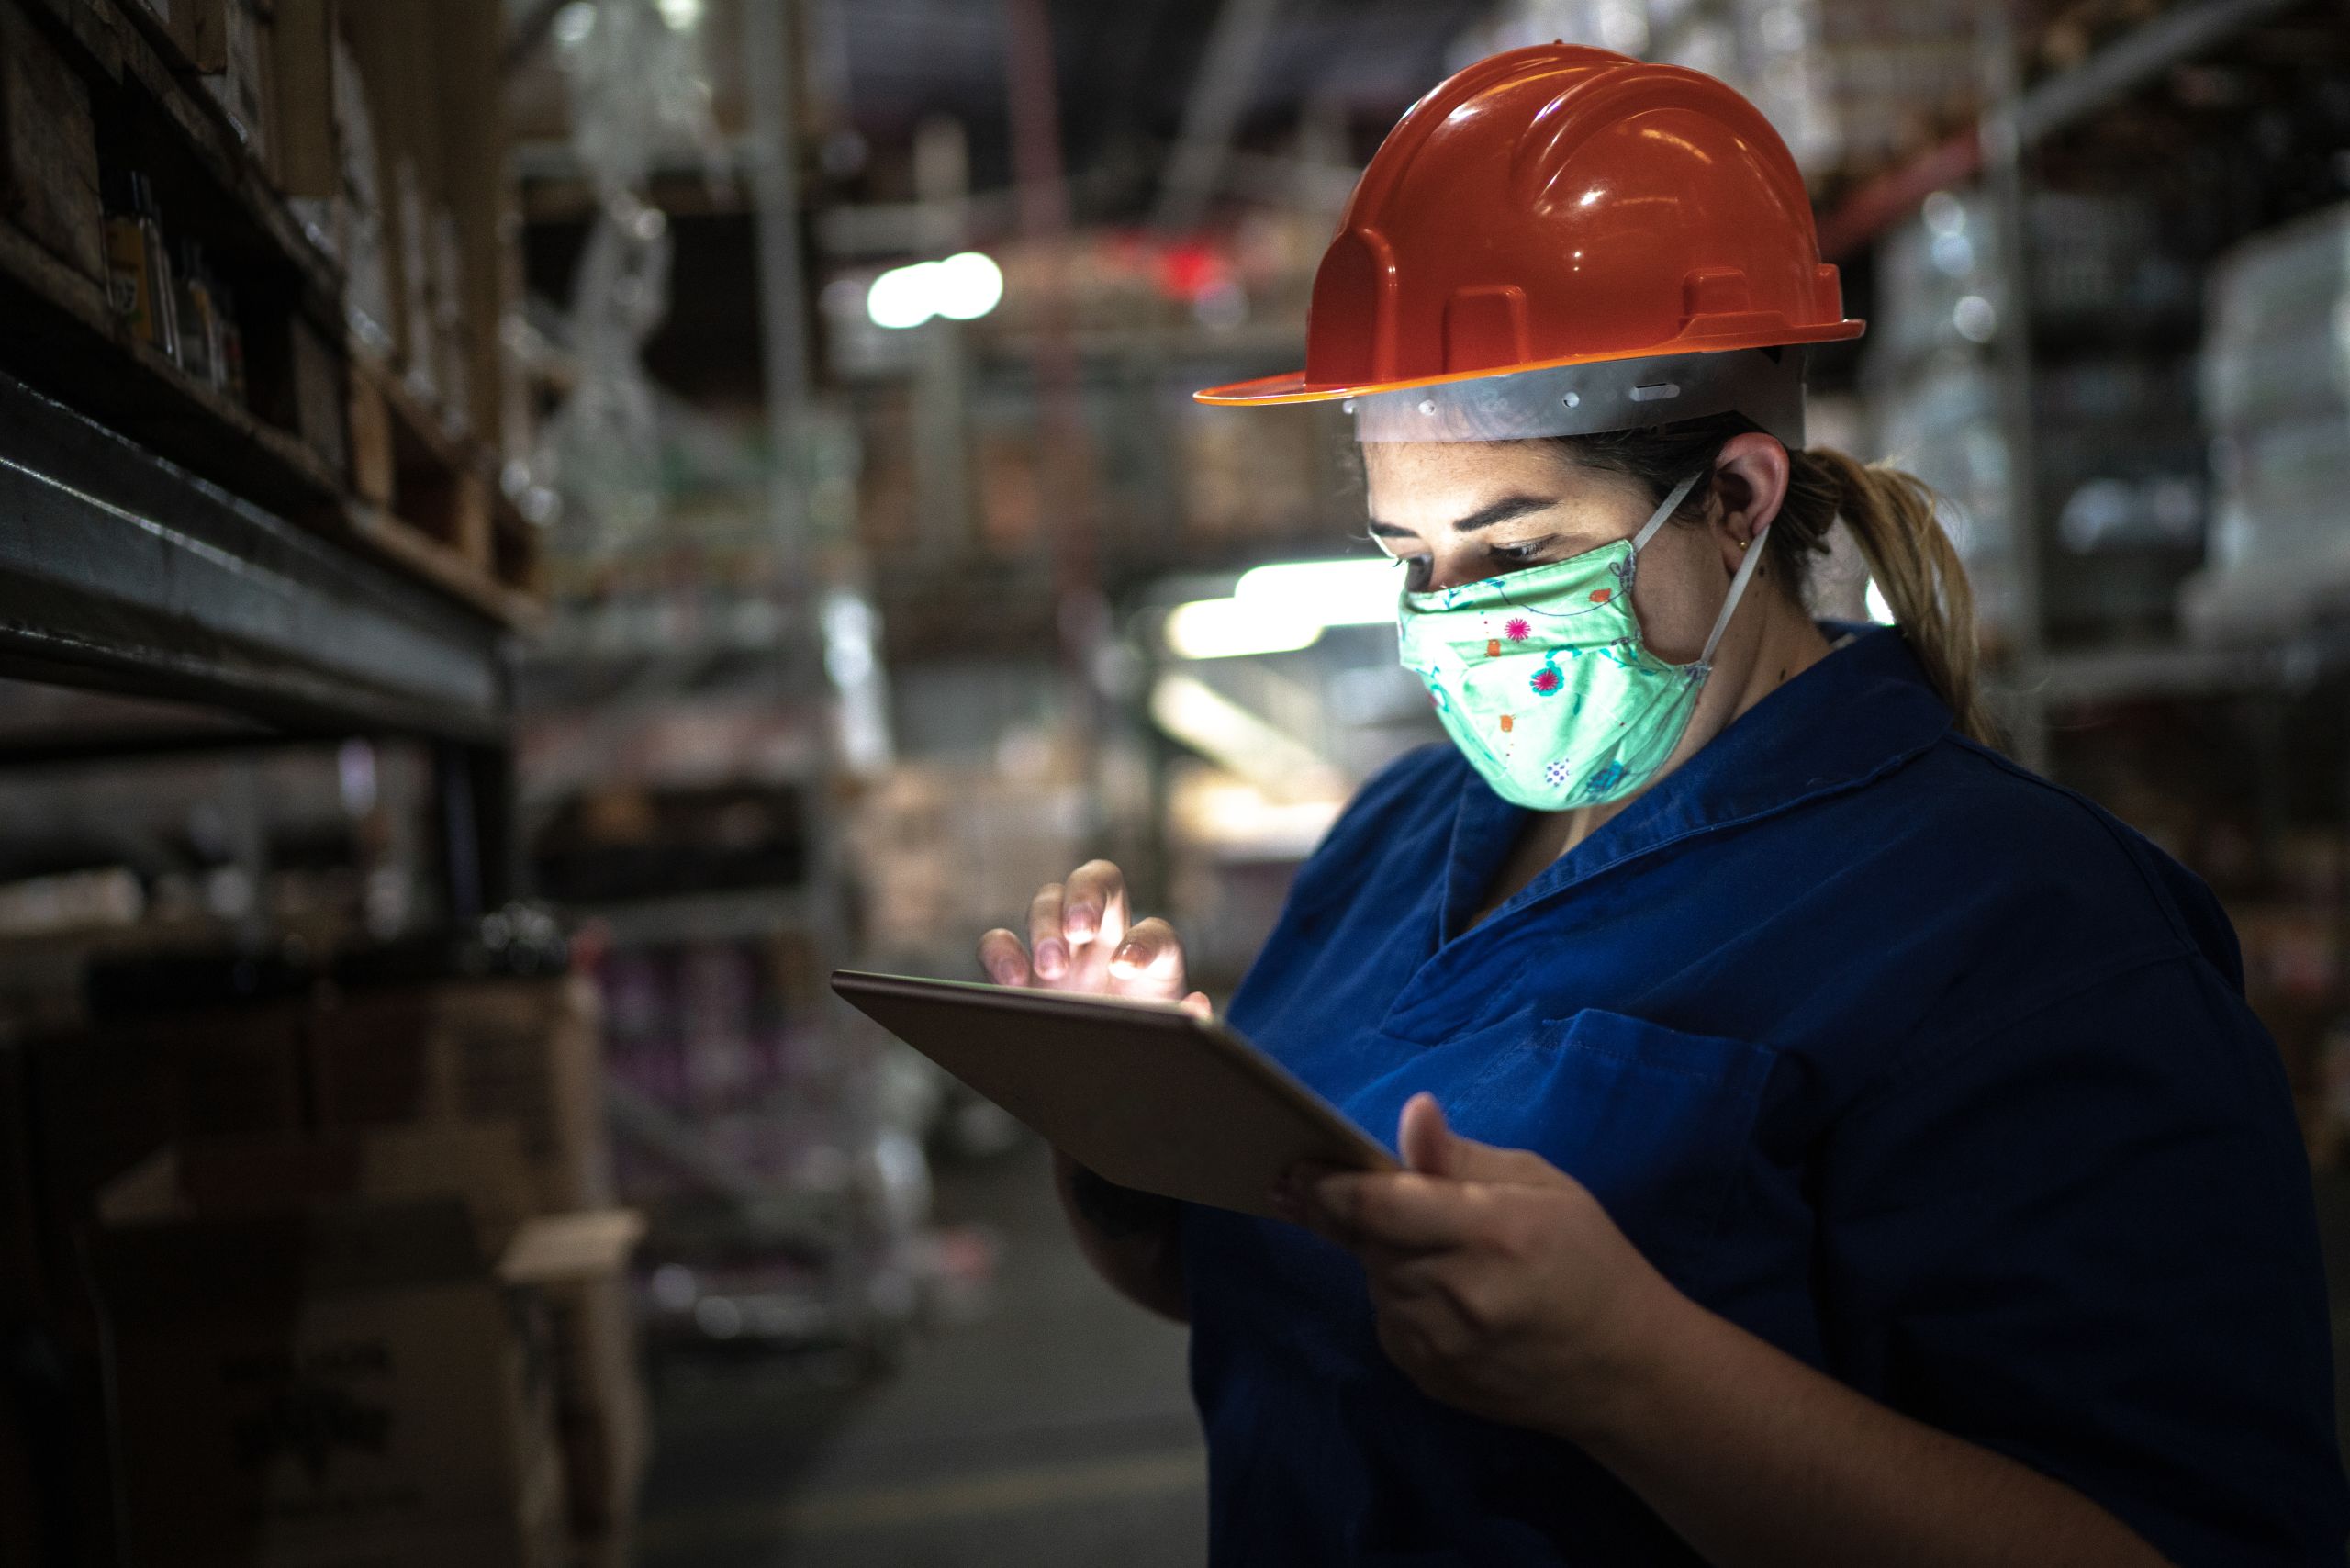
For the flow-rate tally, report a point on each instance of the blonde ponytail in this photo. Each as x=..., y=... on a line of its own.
x=1891, y=515
x=1892, y=518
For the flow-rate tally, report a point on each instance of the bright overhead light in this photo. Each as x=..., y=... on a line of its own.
x=1283, y=607
x=963, y=287
x=897, y=297
x=573, y=23
x=1233, y=628
x=1357, y=592
x=1220, y=730
x=683, y=15
x=966, y=286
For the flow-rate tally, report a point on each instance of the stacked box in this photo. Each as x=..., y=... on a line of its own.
x=329, y=1378
x=245, y=85
x=527, y=1051
x=48, y=151
x=579, y=1263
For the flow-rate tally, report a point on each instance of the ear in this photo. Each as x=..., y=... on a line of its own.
x=1750, y=483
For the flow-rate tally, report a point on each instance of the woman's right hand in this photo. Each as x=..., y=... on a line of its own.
x=1082, y=937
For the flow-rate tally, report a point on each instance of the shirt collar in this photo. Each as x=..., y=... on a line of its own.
x=1862, y=710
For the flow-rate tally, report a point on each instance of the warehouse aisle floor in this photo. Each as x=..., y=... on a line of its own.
x=1055, y=1429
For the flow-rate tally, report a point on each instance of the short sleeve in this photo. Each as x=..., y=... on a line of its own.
x=2086, y=1240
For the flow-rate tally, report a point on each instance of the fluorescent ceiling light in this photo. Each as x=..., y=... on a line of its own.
x=1220, y=730
x=1231, y=628
x=1357, y=592
x=966, y=286
x=963, y=287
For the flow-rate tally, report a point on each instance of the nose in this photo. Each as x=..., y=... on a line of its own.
x=1452, y=569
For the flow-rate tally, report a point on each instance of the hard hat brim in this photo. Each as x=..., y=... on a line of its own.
x=1292, y=387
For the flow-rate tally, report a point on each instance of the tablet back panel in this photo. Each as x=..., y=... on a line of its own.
x=1147, y=1094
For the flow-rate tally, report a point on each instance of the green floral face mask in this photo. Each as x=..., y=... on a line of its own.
x=1542, y=678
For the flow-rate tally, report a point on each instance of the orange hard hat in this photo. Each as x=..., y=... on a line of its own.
x=1560, y=205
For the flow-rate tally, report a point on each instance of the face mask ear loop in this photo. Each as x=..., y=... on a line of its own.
x=1664, y=510
x=1736, y=587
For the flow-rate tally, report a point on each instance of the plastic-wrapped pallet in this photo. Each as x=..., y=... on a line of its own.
x=1944, y=426
x=2274, y=376
x=1938, y=287
x=1855, y=83
x=1931, y=393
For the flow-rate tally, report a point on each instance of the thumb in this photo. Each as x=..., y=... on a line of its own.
x=1430, y=1147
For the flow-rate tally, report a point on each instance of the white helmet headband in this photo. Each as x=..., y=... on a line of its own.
x=1764, y=384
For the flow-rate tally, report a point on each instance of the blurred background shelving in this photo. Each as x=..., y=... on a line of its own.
x=490, y=614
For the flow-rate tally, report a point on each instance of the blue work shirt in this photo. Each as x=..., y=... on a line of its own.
x=1922, y=1069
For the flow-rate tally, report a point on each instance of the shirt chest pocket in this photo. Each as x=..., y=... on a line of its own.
x=1653, y=1121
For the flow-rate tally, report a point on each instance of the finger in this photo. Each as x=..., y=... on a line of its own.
x=1423, y=1138
x=1398, y=1209
x=1148, y=962
x=1003, y=958
x=1045, y=935
x=1430, y=1145
x=1290, y=1199
x=1198, y=1005
x=1094, y=909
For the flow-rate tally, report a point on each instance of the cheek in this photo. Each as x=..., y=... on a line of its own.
x=1676, y=594
x=1455, y=564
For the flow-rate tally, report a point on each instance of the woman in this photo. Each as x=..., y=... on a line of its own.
x=1824, y=1141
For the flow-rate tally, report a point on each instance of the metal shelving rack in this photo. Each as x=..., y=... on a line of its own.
x=1998, y=148
x=122, y=573
x=2011, y=126
x=160, y=540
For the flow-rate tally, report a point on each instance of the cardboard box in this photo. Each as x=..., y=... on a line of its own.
x=243, y=86
x=201, y=27
x=224, y=1071
x=316, y=1364
x=617, y=1549
x=481, y=1163
x=525, y=1051
x=49, y=148
x=305, y=160
x=579, y=1263
x=318, y=383
x=374, y=463
x=285, y=1382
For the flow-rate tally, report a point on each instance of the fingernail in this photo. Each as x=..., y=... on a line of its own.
x=999, y=972
x=1126, y=958
x=1082, y=922
x=1051, y=958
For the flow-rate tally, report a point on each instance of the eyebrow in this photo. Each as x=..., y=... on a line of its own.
x=1501, y=511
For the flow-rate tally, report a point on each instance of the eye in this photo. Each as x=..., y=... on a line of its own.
x=1418, y=572
x=1519, y=554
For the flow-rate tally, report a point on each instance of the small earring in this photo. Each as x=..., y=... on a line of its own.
x=1744, y=543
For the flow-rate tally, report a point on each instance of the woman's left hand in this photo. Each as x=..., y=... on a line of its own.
x=1501, y=1285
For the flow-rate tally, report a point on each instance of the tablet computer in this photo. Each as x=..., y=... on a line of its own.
x=1143, y=1092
